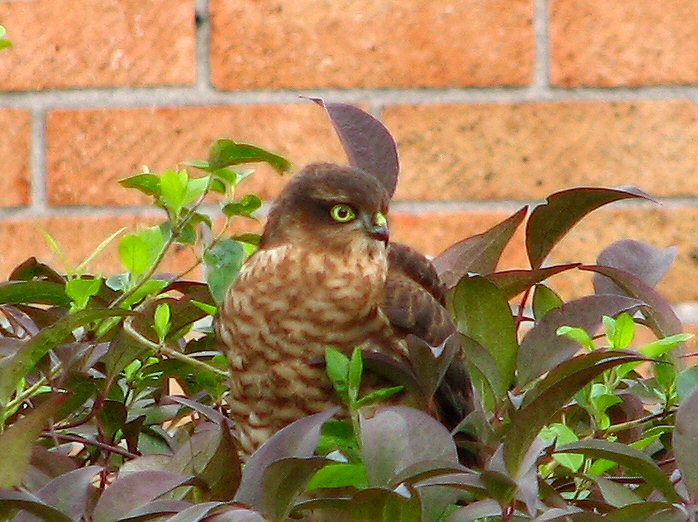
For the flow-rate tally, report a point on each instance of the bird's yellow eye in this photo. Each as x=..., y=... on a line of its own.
x=342, y=213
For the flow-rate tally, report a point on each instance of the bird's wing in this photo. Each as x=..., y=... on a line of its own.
x=414, y=304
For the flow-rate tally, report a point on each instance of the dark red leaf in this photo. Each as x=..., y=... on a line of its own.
x=477, y=254
x=513, y=282
x=367, y=142
x=644, y=261
x=550, y=221
x=22, y=500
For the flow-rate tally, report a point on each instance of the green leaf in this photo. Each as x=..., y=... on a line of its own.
x=80, y=290
x=339, y=476
x=482, y=312
x=205, y=307
x=615, y=494
x=16, y=442
x=148, y=184
x=563, y=435
x=620, y=332
x=196, y=187
x=135, y=253
x=356, y=368
x=687, y=383
x=38, y=292
x=513, y=282
x=162, y=320
x=629, y=457
x=152, y=287
x=379, y=395
x=223, y=262
x=225, y=153
x=173, y=189
x=576, y=334
x=545, y=300
x=245, y=207
x=337, y=368
x=251, y=239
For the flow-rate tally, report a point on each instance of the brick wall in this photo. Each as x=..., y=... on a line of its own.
x=495, y=103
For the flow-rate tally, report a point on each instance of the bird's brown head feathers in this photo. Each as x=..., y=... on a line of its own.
x=328, y=206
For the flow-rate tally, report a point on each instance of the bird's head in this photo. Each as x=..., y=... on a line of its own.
x=330, y=207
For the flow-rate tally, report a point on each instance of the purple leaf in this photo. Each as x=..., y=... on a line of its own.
x=647, y=511
x=477, y=254
x=195, y=513
x=548, y=396
x=70, y=493
x=397, y=437
x=660, y=315
x=22, y=500
x=236, y=514
x=298, y=439
x=284, y=480
x=134, y=491
x=542, y=349
x=550, y=221
x=367, y=142
x=646, y=262
x=627, y=456
x=17, y=441
x=513, y=282
x=155, y=509
x=204, y=410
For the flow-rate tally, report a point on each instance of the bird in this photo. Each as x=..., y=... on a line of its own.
x=326, y=274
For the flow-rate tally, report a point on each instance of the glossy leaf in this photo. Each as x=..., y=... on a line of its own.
x=19, y=438
x=340, y=475
x=366, y=141
x=542, y=402
x=627, y=456
x=225, y=153
x=477, y=254
x=245, y=207
x=549, y=222
x=542, y=348
x=482, y=312
x=394, y=438
x=544, y=300
x=298, y=439
x=148, y=184
x=513, y=282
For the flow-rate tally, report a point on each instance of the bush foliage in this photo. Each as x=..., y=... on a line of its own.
x=577, y=419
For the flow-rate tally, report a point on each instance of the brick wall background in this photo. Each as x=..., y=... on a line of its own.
x=495, y=103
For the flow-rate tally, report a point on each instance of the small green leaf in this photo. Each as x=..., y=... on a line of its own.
x=245, y=207
x=148, y=184
x=135, y=253
x=173, y=188
x=208, y=308
x=544, y=300
x=563, y=435
x=225, y=153
x=152, y=287
x=356, y=368
x=378, y=395
x=223, y=262
x=687, y=383
x=339, y=476
x=250, y=239
x=620, y=332
x=198, y=164
x=196, y=187
x=576, y=334
x=337, y=368
x=80, y=290
x=162, y=320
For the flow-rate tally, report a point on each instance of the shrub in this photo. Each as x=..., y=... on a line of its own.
x=572, y=424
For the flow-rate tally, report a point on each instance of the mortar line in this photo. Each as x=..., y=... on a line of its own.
x=203, y=46
x=39, y=183
x=541, y=25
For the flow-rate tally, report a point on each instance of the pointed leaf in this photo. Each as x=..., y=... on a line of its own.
x=615, y=494
x=394, y=438
x=367, y=142
x=685, y=441
x=225, y=153
x=17, y=441
x=223, y=262
x=513, y=282
x=542, y=403
x=550, y=221
x=39, y=292
x=542, y=348
x=661, y=317
x=284, y=480
x=148, y=184
x=340, y=475
x=647, y=512
x=477, y=254
x=134, y=491
x=482, y=312
x=22, y=500
x=544, y=300
x=628, y=457
x=644, y=261
x=431, y=363
x=298, y=439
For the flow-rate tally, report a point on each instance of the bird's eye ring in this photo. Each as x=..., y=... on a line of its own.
x=342, y=213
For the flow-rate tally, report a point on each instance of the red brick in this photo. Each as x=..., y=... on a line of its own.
x=299, y=44
x=90, y=150
x=528, y=150
x=15, y=151
x=91, y=43
x=624, y=42
x=433, y=232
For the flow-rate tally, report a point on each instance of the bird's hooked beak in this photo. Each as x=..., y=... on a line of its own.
x=377, y=228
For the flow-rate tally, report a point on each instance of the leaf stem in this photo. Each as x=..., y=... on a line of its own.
x=87, y=442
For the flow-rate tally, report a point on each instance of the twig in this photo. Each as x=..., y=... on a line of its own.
x=87, y=442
